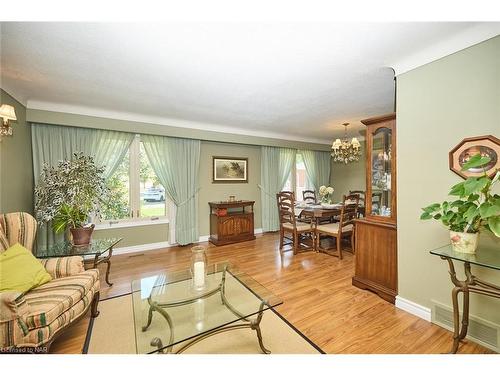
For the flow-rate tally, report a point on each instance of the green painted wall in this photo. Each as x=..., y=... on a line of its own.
x=217, y=192
x=16, y=167
x=134, y=236
x=213, y=144
x=438, y=105
x=348, y=177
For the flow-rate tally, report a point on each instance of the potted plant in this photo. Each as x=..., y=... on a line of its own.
x=326, y=194
x=68, y=194
x=476, y=207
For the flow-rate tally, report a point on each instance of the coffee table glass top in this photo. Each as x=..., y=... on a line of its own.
x=65, y=249
x=487, y=254
x=181, y=314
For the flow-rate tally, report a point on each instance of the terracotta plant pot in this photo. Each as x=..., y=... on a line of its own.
x=81, y=236
x=464, y=242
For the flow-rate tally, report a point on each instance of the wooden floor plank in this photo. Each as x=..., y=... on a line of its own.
x=318, y=299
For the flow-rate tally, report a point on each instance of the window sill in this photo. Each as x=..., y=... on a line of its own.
x=131, y=223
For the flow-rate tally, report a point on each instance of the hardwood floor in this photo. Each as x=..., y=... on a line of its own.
x=318, y=299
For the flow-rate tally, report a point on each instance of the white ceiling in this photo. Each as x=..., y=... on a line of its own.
x=295, y=81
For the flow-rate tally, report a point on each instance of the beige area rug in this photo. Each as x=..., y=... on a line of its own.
x=113, y=332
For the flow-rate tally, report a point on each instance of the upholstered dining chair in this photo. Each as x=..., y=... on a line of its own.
x=309, y=196
x=289, y=223
x=344, y=227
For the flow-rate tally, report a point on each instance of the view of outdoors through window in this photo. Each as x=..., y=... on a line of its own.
x=153, y=198
x=300, y=182
x=151, y=201
x=118, y=206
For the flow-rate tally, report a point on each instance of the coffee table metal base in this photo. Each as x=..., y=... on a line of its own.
x=253, y=324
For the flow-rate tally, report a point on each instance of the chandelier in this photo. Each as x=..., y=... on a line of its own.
x=345, y=151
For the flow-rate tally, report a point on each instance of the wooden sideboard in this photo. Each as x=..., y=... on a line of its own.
x=231, y=222
x=375, y=240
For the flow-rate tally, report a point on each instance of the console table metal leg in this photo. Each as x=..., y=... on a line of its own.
x=108, y=262
x=456, y=320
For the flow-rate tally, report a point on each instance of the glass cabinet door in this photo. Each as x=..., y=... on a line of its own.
x=381, y=174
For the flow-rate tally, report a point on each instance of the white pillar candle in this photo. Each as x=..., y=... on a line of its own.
x=199, y=274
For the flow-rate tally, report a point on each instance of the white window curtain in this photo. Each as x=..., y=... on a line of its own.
x=275, y=166
x=52, y=143
x=176, y=162
x=318, y=166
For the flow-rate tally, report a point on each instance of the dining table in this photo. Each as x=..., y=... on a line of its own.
x=318, y=213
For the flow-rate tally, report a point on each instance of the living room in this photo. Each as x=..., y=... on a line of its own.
x=249, y=188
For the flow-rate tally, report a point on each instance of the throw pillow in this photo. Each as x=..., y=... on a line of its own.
x=20, y=270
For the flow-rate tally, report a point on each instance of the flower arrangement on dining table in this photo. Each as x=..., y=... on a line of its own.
x=326, y=193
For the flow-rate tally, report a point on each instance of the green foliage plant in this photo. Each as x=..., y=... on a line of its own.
x=475, y=206
x=67, y=194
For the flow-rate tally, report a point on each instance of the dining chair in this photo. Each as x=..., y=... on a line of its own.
x=361, y=207
x=289, y=223
x=309, y=196
x=343, y=228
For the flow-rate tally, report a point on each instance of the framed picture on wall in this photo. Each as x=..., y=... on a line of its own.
x=486, y=145
x=229, y=170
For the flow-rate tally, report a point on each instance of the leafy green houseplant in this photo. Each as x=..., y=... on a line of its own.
x=475, y=208
x=67, y=194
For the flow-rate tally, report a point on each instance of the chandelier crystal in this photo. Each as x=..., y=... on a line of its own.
x=345, y=151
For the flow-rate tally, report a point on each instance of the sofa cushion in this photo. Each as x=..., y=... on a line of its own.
x=63, y=266
x=21, y=271
x=16, y=333
x=51, y=300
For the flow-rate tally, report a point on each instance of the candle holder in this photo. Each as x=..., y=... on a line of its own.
x=198, y=268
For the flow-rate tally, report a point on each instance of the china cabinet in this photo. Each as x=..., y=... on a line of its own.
x=376, y=233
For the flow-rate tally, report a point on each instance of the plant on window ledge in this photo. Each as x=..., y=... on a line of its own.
x=68, y=194
x=477, y=207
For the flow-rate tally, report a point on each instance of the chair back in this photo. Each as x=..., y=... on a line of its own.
x=309, y=196
x=361, y=194
x=286, y=204
x=349, y=210
x=17, y=227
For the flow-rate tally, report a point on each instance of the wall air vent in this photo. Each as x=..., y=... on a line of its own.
x=481, y=331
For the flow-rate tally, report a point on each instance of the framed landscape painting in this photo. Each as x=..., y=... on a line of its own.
x=229, y=170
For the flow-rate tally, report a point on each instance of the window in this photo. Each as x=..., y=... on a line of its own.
x=136, y=191
x=298, y=181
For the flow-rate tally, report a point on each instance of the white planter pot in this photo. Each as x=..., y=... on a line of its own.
x=464, y=242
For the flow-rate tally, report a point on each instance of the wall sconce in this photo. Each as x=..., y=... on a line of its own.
x=7, y=112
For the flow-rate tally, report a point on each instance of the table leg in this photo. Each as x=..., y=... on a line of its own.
x=456, y=320
x=255, y=325
x=108, y=262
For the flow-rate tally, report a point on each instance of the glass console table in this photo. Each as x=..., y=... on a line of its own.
x=98, y=251
x=487, y=255
x=168, y=312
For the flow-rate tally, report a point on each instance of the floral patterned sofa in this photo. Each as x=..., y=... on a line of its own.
x=30, y=322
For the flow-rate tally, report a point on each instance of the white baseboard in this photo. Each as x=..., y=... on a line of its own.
x=205, y=238
x=159, y=245
x=413, y=308
x=141, y=248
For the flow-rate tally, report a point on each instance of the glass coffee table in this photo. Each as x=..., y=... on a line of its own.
x=98, y=251
x=168, y=312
